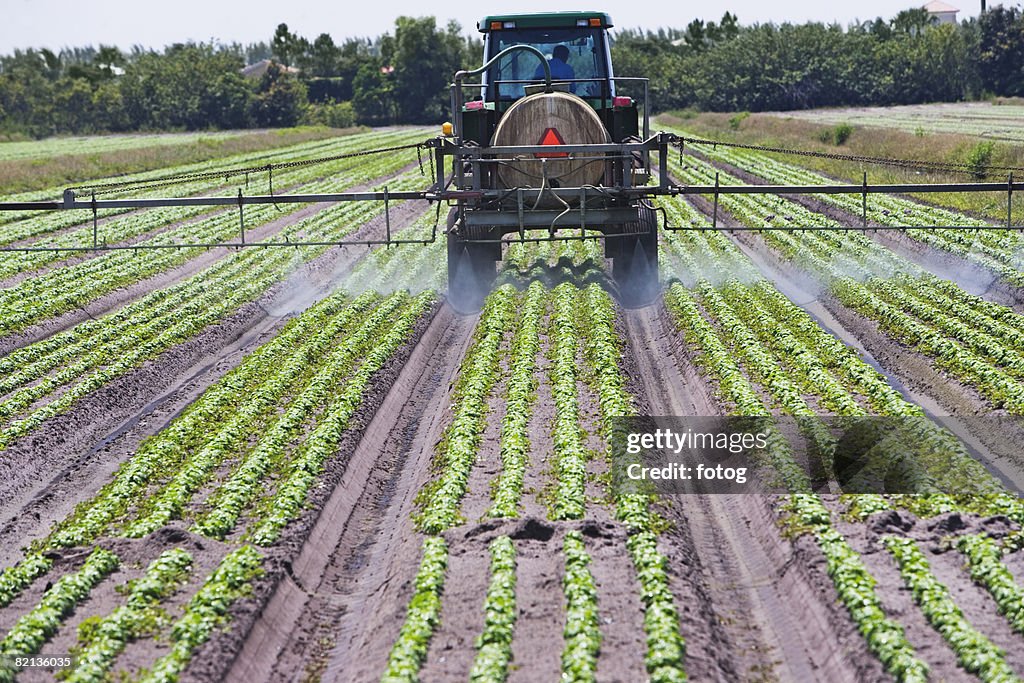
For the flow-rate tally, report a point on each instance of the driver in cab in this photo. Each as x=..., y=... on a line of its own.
x=559, y=65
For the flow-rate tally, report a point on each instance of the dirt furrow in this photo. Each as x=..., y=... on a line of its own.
x=453, y=646
x=342, y=609
x=774, y=622
x=619, y=609
x=538, y=474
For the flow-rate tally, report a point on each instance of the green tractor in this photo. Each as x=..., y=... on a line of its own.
x=544, y=141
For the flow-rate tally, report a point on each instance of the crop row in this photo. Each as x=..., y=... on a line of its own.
x=289, y=500
x=984, y=559
x=209, y=607
x=422, y=615
x=331, y=350
x=973, y=356
x=163, y=453
x=220, y=416
x=96, y=351
x=582, y=626
x=792, y=357
x=206, y=611
x=96, y=144
x=1001, y=122
x=570, y=456
x=494, y=646
x=519, y=400
x=724, y=310
x=854, y=267
x=975, y=652
x=666, y=647
x=581, y=334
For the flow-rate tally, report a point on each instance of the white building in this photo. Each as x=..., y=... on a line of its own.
x=945, y=14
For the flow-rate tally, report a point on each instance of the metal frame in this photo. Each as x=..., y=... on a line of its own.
x=519, y=216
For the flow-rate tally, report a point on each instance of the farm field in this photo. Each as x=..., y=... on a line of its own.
x=303, y=464
x=981, y=119
x=38, y=149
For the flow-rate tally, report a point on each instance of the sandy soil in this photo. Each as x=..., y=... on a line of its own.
x=364, y=544
x=758, y=602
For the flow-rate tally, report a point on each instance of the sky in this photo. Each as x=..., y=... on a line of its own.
x=62, y=23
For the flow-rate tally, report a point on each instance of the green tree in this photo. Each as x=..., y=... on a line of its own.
x=424, y=61
x=374, y=101
x=287, y=46
x=191, y=86
x=1001, y=51
x=280, y=100
x=323, y=58
x=913, y=22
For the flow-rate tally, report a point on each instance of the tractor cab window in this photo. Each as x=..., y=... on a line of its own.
x=586, y=61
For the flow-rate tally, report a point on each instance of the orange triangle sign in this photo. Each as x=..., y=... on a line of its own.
x=551, y=137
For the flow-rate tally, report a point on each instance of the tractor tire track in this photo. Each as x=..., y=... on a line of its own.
x=341, y=609
x=757, y=617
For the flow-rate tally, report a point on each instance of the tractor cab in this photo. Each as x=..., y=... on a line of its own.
x=583, y=64
x=581, y=67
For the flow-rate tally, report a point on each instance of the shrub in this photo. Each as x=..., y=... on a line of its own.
x=980, y=157
x=841, y=133
x=836, y=135
x=331, y=114
x=737, y=119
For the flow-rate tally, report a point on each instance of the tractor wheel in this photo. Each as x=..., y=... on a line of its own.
x=471, y=269
x=635, y=260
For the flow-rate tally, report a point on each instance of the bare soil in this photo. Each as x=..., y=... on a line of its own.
x=751, y=598
x=352, y=578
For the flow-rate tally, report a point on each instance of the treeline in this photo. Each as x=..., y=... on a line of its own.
x=402, y=76
x=399, y=77
x=908, y=60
